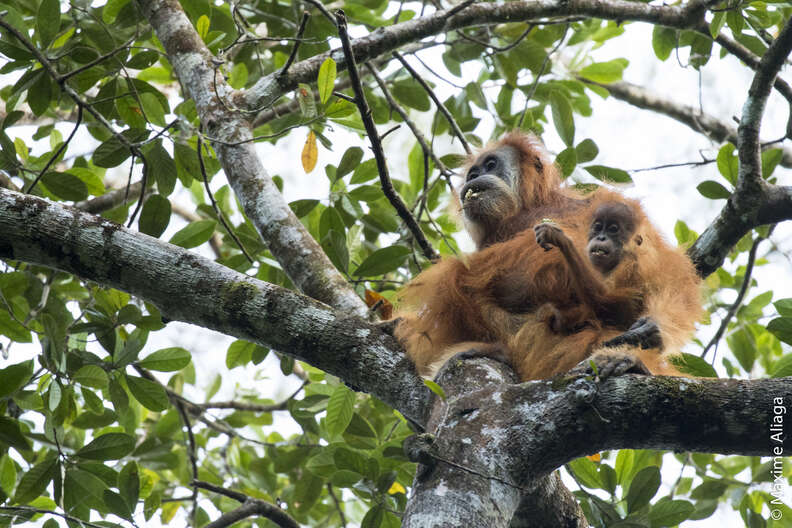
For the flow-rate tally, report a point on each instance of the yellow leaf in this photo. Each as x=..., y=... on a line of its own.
x=596, y=457
x=396, y=488
x=310, y=153
x=203, y=26
x=168, y=510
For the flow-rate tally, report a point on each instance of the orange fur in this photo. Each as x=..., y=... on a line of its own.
x=458, y=302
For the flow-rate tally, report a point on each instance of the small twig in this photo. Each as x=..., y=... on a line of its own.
x=337, y=504
x=344, y=96
x=406, y=118
x=29, y=510
x=47, y=65
x=672, y=165
x=297, y=39
x=322, y=9
x=376, y=145
x=110, y=199
x=191, y=453
x=98, y=60
x=430, y=70
x=216, y=207
x=440, y=106
x=59, y=151
x=143, y=182
x=498, y=49
x=535, y=84
x=255, y=507
x=457, y=9
x=253, y=407
x=231, y=494
x=740, y=296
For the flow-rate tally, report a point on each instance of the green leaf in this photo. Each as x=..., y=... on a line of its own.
x=586, y=472
x=349, y=161
x=152, y=109
x=82, y=491
x=605, y=72
x=625, y=462
x=643, y=487
x=718, y=20
x=373, y=517
x=411, y=94
x=8, y=474
x=434, y=387
x=109, y=446
x=65, y=186
x=129, y=484
x=609, y=174
x=132, y=347
x=743, y=346
x=194, y=234
x=781, y=327
x=586, y=151
x=770, y=160
x=567, y=161
x=48, y=21
x=301, y=208
x=345, y=478
x=167, y=360
x=340, y=408
x=155, y=216
x=151, y=395
x=383, y=261
x=783, y=367
x=239, y=76
x=364, y=172
x=728, y=164
x=40, y=94
x=784, y=307
x=335, y=245
x=664, y=40
x=693, y=365
x=111, y=153
x=564, y=123
x=162, y=168
x=11, y=434
x=239, y=353
x=116, y=504
x=35, y=480
x=713, y=190
x=91, y=178
x=92, y=376
x=14, y=377
x=111, y=9
x=326, y=80
x=670, y=512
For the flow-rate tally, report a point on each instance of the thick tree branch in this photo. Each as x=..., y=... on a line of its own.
x=387, y=39
x=190, y=288
x=754, y=201
x=712, y=127
x=287, y=239
x=253, y=507
x=500, y=437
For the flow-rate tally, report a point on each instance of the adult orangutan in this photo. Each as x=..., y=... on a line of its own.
x=499, y=300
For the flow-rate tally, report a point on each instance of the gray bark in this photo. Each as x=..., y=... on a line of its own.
x=288, y=240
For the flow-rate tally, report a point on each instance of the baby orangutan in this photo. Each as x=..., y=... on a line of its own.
x=610, y=244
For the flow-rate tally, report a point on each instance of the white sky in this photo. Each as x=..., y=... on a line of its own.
x=627, y=138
